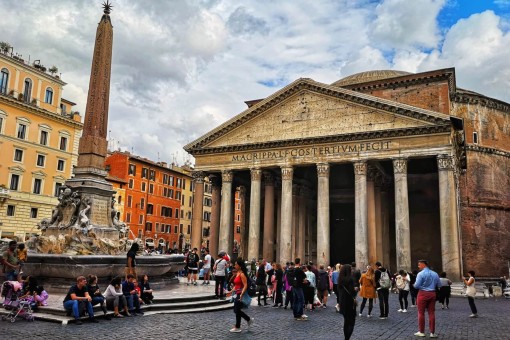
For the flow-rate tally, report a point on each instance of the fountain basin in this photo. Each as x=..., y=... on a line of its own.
x=60, y=266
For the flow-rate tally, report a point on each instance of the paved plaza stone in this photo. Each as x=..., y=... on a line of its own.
x=277, y=323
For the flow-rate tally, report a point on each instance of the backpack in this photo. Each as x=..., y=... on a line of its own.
x=401, y=284
x=323, y=283
x=384, y=280
x=252, y=287
x=291, y=278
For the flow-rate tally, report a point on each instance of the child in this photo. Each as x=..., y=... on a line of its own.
x=22, y=255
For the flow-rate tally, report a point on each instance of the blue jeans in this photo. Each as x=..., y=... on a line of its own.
x=74, y=306
x=11, y=276
x=97, y=300
x=299, y=301
x=133, y=302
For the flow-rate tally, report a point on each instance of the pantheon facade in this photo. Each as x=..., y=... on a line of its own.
x=379, y=166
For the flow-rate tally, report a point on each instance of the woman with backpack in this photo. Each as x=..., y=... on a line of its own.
x=402, y=283
x=323, y=285
x=241, y=293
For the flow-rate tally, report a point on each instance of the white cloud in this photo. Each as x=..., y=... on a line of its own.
x=407, y=24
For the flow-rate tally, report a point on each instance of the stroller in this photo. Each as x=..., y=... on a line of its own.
x=11, y=292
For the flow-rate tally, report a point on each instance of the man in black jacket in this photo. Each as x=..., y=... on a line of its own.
x=383, y=285
x=297, y=291
x=261, y=282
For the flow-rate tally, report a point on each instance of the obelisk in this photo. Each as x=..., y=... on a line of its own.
x=89, y=179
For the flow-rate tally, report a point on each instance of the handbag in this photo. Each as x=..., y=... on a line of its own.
x=246, y=300
x=355, y=302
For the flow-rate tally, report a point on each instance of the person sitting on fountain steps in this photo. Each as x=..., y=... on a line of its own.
x=79, y=297
x=133, y=300
x=96, y=295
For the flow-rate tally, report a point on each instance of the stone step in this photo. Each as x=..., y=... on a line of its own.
x=177, y=306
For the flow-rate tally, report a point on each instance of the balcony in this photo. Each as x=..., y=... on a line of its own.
x=4, y=195
x=8, y=92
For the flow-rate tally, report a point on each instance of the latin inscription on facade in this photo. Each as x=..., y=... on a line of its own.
x=333, y=150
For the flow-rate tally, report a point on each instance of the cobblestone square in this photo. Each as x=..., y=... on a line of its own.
x=276, y=323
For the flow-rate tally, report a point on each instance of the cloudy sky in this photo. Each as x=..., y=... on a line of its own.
x=180, y=68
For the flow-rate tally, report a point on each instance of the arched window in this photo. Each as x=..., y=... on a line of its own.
x=49, y=96
x=4, y=80
x=27, y=91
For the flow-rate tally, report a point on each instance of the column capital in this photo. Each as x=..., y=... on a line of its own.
x=227, y=175
x=400, y=165
x=198, y=176
x=322, y=169
x=256, y=174
x=445, y=163
x=287, y=173
x=268, y=178
x=360, y=168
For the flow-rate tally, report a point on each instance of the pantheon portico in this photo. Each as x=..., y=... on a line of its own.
x=341, y=172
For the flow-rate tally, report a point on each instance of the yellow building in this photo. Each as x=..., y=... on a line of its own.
x=186, y=207
x=39, y=137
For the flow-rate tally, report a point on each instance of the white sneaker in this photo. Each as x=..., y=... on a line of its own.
x=304, y=316
x=369, y=316
x=337, y=307
x=404, y=311
x=400, y=310
x=419, y=334
x=250, y=322
x=433, y=335
x=473, y=316
x=235, y=330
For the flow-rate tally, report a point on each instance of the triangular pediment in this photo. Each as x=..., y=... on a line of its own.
x=308, y=110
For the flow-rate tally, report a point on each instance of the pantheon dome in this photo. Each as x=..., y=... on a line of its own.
x=365, y=77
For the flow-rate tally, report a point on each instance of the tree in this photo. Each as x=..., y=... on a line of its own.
x=53, y=70
x=5, y=47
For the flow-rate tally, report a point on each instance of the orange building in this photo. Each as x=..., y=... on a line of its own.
x=152, y=203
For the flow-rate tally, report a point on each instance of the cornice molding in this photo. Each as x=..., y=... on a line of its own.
x=405, y=132
x=492, y=151
x=408, y=80
x=40, y=112
x=305, y=84
x=478, y=99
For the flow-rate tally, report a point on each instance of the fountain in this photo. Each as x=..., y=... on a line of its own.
x=84, y=234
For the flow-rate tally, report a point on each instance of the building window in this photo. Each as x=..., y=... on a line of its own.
x=175, y=229
x=18, y=155
x=142, y=203
x=1, y=124
x=14, y=182
x=57, y=189
x=189, y=229
x=176, y=213
x=152, y=175
x=238, y=230
x=11, y=210
x=128, y=217
x=27, y=91
x=49, y=96
x=183, y=200
x=143, y=186
x=33, y=212
x=37, y=186
x=61, y=165
x=132, y=169
x=156, y=227
x=140, y=219
x=41, y=159
x=171, y=193
x=22, y=131
x=151, y=188
x=171, y=181
x=180, y=228
x=148, y=226
x=63, y=108
x=150, y=209
x=144, y=172
x=4, y=80
x=178, y=195
x=63, y=143
x=475, y=137
x=165, y=178
x=169, y=228
x=129, y=201
x=119, y=200
x=131, y=183
x=43, y=138
x=238, y=218
x=179, y=182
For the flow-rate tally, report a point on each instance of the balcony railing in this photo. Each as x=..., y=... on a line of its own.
x=4, y=194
